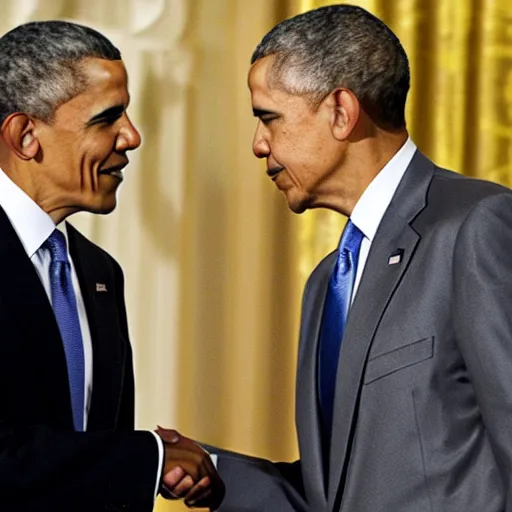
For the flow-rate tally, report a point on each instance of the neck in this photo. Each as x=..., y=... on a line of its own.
x=22, y=175
x=364, y=159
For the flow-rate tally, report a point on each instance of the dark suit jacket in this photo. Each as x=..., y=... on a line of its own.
x=423, y=403
x=44, y=464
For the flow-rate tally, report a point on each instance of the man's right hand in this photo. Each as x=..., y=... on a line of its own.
x=189, y=472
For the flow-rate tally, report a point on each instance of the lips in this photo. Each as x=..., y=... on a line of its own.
x=116, y=171
x=274, y=171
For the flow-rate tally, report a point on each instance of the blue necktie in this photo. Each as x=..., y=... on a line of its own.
x=337, y=304
x=66, y=314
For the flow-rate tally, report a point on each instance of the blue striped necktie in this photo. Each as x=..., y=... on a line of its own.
x=66, y=314
x=337, y=304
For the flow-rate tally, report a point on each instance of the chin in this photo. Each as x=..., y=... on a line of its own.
x=107, y=205
x=106, y=210
x=297, y=208
x=297, y=204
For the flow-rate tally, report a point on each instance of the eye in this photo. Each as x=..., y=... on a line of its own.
x=110, y=120
x=267, y=119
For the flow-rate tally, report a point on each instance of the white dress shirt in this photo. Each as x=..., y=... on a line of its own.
x=375, y=200
x=33, y=226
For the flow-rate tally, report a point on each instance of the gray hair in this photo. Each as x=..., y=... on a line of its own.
x=340, y=46
x=40, y=66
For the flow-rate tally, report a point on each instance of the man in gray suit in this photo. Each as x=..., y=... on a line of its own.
x=414, y=308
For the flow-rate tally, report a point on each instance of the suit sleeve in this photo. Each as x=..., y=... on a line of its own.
x=127, y=407
x=254, y=484
x=45, y=469
x=482, y=313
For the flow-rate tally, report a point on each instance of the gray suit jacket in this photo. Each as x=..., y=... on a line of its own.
x=423, y=403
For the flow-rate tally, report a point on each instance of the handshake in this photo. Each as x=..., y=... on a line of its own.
x=189, y=472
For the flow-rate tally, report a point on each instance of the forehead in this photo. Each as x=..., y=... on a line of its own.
x=258, y=79
x=274, y=98
x=107, y=85
x=104, y=75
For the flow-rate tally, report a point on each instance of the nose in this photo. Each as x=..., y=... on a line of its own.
x=129, y=137
x=260, y=145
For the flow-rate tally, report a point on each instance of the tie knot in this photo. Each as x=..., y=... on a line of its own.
x=56, y=244
x=351, y=239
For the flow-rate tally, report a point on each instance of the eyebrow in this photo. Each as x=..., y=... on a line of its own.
x=258, y=112
x=109, y=113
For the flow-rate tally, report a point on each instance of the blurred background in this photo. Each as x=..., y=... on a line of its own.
x=214, y=261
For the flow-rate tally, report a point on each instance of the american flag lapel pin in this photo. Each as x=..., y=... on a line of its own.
x=101, y=287
x=395, y=257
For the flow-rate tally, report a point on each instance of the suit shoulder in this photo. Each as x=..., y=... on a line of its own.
x=445, y=180
x=451, y=198
x=458, y=192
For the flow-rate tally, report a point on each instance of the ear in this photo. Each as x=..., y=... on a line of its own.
x=346, y=111
x=18, y=133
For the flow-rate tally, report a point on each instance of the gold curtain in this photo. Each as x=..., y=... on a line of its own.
x=459, y=110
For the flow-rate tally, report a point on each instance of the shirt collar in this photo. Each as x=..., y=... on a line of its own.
x=32, y=225
x=375, y=200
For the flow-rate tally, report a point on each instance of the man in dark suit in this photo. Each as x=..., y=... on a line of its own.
x=404, y=378
x=67, y=439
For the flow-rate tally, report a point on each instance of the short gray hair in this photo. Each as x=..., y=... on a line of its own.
x=341, y=46
x=40, y=66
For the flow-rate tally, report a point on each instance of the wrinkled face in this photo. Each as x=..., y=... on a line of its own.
x=83, y=150
x=296, y=140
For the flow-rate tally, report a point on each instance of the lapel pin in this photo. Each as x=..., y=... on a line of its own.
x=396, y=257
x=101, y=287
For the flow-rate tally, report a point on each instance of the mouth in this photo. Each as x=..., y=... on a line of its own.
x=116, y=171
x=273, y=172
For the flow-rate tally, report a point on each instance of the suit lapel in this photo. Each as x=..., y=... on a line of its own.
x=93, y=268
x=308, y=414
x=37, y=335
x=378, y=283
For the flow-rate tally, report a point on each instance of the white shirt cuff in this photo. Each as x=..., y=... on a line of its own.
x=160, y=444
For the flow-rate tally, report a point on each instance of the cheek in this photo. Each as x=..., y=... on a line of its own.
x=95, y=154
x=86, y=166
x=309, y=165
x=288, y=148
x=297, y=153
